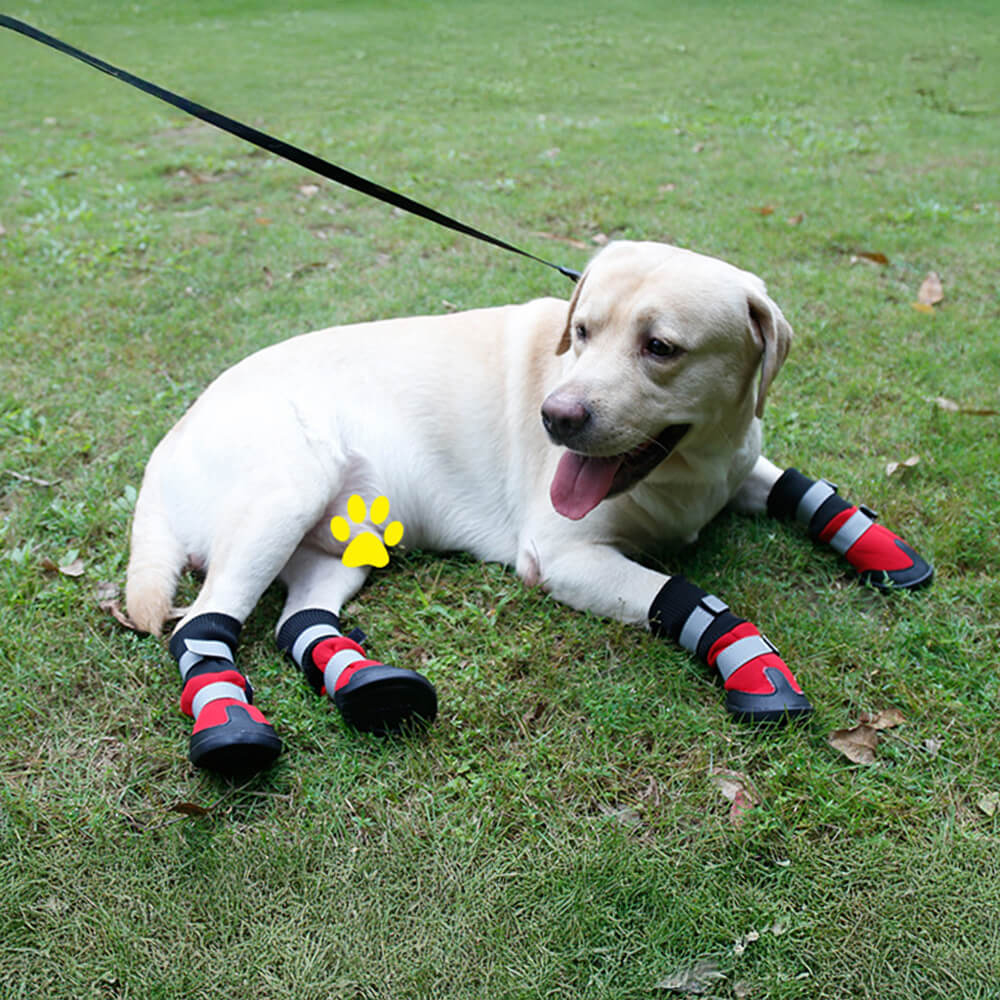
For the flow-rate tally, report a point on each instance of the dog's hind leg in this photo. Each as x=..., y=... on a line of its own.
x=372, y=696
x=230, y=734
x=880, y=557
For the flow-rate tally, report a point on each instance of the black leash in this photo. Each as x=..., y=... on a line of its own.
x=278, y=147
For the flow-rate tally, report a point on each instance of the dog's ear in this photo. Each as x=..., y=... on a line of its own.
x=773, y=335
x=567, y=334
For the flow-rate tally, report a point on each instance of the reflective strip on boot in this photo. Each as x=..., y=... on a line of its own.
x=812, y=500
x=215, y=691
x=741, y=652
x=337, y=665
x=699, y=621
x=850, y=531
x=307, y=637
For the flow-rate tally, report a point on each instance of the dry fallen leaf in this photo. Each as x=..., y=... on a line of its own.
x=568, y=240
x=989, y=803
x=600, y=239
x=625, y=815
x=763, y=209
x=189, y=809
x=945, y=404
x=741, y=944
x=73, y=568
x=950, y=406
x=872, y=257
x=115, y=609
x=694, y=979
x=797, y=219
x=34, y=480
x=309, y=190
x=857, y=744
x=888, y=718
x=931, y=292
x=907, y=463
x=738, y=790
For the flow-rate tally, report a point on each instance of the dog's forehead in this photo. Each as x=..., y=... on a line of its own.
x=630, y=279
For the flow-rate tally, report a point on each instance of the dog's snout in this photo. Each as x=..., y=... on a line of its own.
x=564, y=418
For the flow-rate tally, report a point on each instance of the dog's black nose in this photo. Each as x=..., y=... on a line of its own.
x=563, y=418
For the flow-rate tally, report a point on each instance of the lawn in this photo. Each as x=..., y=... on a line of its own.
x=561, y=831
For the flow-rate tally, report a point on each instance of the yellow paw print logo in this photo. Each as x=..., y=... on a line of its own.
x=366, y=549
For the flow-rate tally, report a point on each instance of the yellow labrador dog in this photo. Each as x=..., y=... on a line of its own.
x=560, y=439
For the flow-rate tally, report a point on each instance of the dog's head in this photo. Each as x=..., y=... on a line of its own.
x=666, y=346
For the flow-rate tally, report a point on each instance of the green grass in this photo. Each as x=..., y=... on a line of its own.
x=556, y=833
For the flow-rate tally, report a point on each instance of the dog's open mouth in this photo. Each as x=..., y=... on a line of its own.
x=581, y=482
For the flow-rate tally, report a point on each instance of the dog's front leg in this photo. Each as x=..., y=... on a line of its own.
x=880, y=557
x=599, y=578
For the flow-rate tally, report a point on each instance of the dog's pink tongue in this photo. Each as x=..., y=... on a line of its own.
x=581, y=483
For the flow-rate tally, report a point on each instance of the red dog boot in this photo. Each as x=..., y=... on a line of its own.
x=759, y=686
x=230, y=736
x=880, y=557
x=373, y=697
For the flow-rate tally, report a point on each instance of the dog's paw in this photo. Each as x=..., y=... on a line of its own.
x=366, y=548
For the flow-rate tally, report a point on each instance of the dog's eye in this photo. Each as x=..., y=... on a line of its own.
x=581, y=331
x=661, y=348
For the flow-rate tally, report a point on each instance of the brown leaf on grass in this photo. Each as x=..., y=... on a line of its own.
x=693, y=979
x=738, y=790
x=115, y=609
x=763, y=209
x=888, y=718
x=931, y=291
x=68, y=567
x=742, y=943
x=106, y=591
x=107, y=596
x=625, y=815
x=857, y=744
x=797, y=219
x=989, y=803
x=189, y=809
x=34, y=480
x=908, y=463
x=73, y=568
x=567, y=240
x=950, y=406
x=871, y=256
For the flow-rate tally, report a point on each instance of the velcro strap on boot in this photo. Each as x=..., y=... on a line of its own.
x=690, y=616
x=210, y=638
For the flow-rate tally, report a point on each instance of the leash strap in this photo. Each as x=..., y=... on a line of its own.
x=278, y=147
